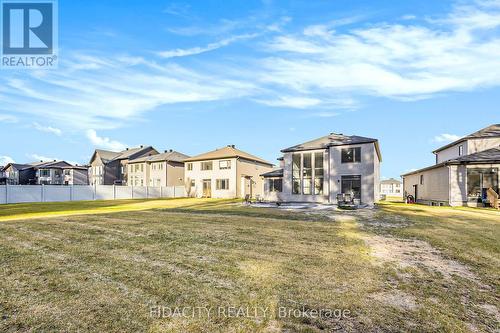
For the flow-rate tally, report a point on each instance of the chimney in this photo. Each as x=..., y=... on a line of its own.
x=126, y=148
x=231, y=146
x=54, y=160
x=171, y=150
x=142, y=146
x=41, y=161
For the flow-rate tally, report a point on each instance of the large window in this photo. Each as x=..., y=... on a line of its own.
x=479, y=181
x=206, y=165
x=307, y=173
x=223, y=165
x=190, y=166
x=318, y=173
x=351, y=155
x=351, y=185
x=296, y=161
x=44, y=173
x=275, y=184
x=222, y=184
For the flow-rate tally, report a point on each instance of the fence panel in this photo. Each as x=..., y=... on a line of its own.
x=104, y=192
x=54, y=193
x=83, y=192
x=3, y=194
x=140, y=192
x=57, y=193
x=154, y=192
x=24, y=193
x=123, y=192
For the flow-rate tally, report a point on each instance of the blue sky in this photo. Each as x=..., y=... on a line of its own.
x=263, y=75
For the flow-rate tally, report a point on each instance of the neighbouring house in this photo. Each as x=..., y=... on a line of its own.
x=316, y=171
x=391, y=187
x=50, y=173
x=225, y=173
x=46, y=173
x=17, y=174
x=464, y=172
x=166, y=169
x=110, y=168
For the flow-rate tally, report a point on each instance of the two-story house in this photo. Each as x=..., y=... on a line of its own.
x=225, y=173
x=317, y=170
x=17, y=174
x=391, y=187
x=110, y=168
x=464, y=171
x=166, y=169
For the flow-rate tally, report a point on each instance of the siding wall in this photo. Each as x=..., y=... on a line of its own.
x=435, y=188
x=451, y=152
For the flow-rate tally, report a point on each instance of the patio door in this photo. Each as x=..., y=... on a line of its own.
x=351, y=185
x=207, y=188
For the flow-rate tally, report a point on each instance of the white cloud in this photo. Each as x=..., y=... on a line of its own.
x=457, y=53
x=292, y=102
x=104, y=142
x=4, y=160
x=445, y=137
x=47, y=129
x=7, y=118
x=210, y=47
x=43, y=158
x=89, y=92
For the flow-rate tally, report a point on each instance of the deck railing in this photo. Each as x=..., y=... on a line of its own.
x=493, y=198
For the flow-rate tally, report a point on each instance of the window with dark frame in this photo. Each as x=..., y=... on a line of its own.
x=190, y=166
x=224, y=165
x=222, y=184
x=275, y=184
x=351, y=155
x=206, y=166
x=421, y=179
x=460, y=150
x=351, y=185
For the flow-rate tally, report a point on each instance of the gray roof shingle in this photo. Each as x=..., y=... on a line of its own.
x=330, y=140
x=171, y=156
x=273, y=173
x=488, y=156
x=491, y=131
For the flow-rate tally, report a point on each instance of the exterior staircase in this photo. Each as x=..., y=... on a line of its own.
x=493, y=198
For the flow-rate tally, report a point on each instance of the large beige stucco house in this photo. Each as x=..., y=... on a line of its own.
x=464, y=171
x=225, y=173
x=318, y=170
x=166, y=169
x=110, y=168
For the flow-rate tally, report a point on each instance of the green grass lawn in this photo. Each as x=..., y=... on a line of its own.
x=105, y=270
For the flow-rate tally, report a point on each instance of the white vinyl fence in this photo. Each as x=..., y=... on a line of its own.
x=52, y=193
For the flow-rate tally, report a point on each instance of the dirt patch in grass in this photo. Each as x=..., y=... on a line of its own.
x=397, y=299
x=418, y=254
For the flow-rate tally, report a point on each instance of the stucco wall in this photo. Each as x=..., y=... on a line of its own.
x=435, y=186
x=451, y=152
x=368, y=169
x=477, y=145
x=199, y=175
x=254, y=170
